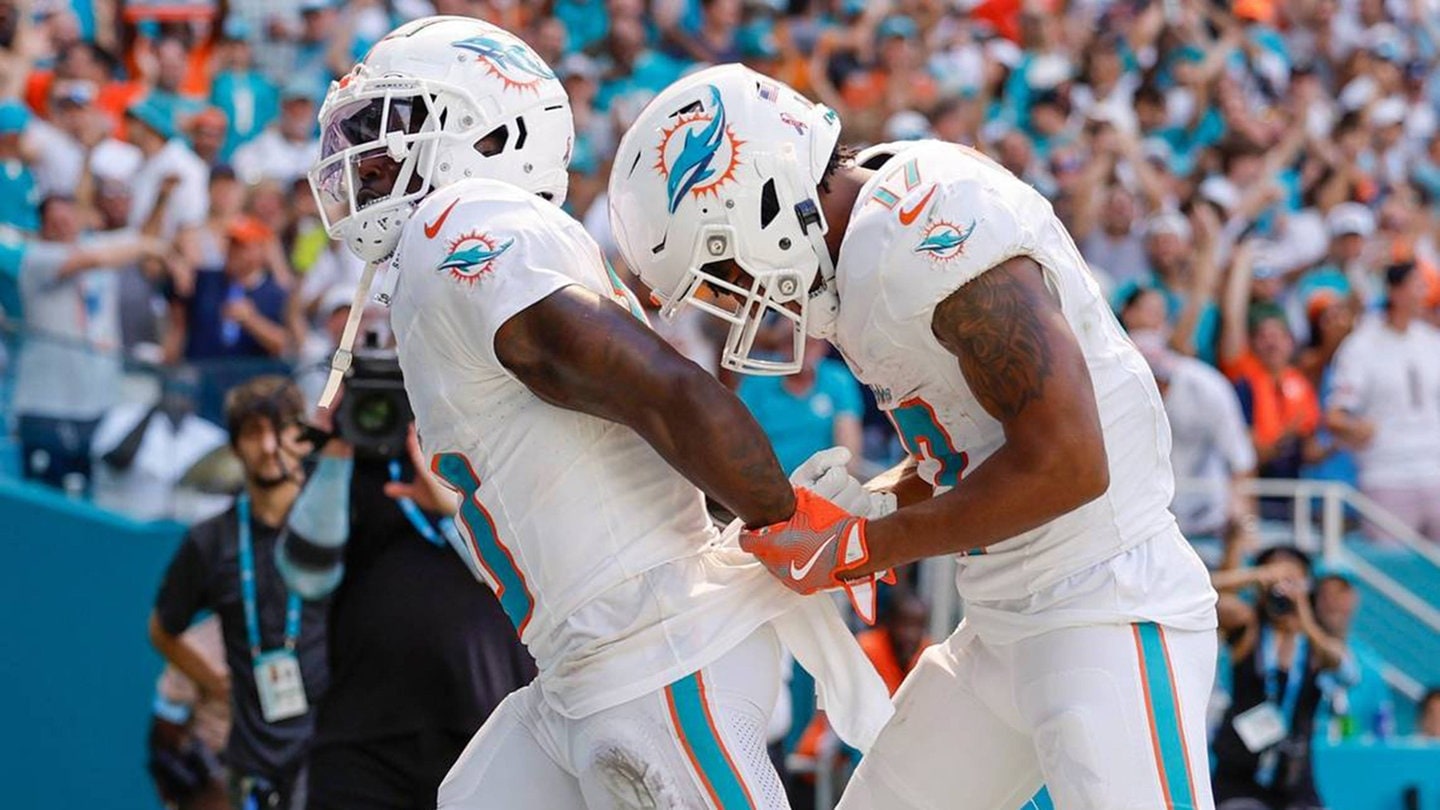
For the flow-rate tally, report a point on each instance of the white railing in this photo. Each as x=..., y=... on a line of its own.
x=1334, y=496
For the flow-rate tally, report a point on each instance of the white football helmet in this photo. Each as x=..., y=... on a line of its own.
x=724, y=166
x=437, y=100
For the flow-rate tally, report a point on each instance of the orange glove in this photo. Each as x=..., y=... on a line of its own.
x=809, y=551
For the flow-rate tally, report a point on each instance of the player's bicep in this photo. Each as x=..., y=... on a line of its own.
x=1020, y=357
x=578, y=350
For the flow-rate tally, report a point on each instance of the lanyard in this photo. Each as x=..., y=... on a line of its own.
x=1294, y=676
x=1294, y=680
x=247, y=588
x=413, y=513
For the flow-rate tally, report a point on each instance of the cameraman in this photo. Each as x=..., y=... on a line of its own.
x=420, y=651
x=1277, y=653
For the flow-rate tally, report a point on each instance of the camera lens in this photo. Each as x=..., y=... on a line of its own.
x=1278, y=603
x=376, y=415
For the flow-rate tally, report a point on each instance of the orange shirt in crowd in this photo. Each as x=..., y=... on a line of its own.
x=868, y=89
x=113, y=97
x=1286, y=402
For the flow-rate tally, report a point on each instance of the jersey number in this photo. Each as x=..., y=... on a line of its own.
x=492, y=555
x=890, y=190
x=925, y=439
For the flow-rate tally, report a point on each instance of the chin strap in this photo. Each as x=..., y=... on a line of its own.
x=340, y=361
x=823, y=306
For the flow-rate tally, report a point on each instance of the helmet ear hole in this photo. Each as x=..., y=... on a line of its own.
x=493, y=142
x=769, y=204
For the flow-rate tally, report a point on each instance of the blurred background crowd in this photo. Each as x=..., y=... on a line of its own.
x=1253, y=182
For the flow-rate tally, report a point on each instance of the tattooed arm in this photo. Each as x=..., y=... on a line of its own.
x=577, y=350
x=1023, y=363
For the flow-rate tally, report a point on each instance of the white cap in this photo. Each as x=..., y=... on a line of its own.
x=1358, y=93
x=1004, y=51
x=1171, y=222
x=1220, y=191
x=1048, y=72
x=907, y=125
x=1387, y=112
x=1350, y=218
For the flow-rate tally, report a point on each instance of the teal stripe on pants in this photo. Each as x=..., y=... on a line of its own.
x=703, y=744
x=1164, y=704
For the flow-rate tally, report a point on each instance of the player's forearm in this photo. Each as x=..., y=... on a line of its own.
x=1012, y=492
x=576, y=350
x=707, y=435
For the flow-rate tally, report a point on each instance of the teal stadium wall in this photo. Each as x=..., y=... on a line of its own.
x=77, y=672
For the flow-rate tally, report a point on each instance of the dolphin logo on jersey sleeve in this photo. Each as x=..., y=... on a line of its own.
x=473, y=256
x=944, y=240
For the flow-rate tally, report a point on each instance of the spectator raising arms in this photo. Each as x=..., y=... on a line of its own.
x=68, y=374
x=238, y=311
x=1279, y=404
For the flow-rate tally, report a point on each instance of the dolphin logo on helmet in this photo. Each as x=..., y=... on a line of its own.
x=695, y=164
x=512, y=61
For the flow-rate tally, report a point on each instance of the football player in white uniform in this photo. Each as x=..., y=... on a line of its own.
x=1038, y=447
x=543, y=398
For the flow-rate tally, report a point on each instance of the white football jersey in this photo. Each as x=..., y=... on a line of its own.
x=933, y=217
x=595, y=546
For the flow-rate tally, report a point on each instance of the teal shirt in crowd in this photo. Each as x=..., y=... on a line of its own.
x=249, y=102
x=12, y=253
x=586, y=22
x=800, y=426
x=1207, y=326
x=19, y=197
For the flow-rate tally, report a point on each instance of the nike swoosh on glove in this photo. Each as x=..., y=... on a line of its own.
x=809, y=551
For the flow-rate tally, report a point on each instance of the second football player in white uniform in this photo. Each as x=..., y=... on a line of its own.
x=1038, y=447
x=565, y=424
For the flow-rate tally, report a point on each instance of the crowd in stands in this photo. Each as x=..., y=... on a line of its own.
x=1254, y=184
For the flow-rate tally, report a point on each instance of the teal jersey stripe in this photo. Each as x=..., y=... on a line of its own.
x=702, y=742
x=1165, y=717
x=511, y=588
x=624, y=294
x=1040, y=801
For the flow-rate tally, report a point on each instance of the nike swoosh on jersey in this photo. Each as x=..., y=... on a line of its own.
x=908, y=217
x=804, y=570
x=433, y=228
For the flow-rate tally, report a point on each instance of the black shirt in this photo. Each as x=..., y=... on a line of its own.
x=416, y=643
x=1236, y=765
x=205, y=575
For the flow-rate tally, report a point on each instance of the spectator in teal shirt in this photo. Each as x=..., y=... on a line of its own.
x=630, y=66
x=247, y=98
x=1176, y=273
x=19, y=196
x=1356, y=693
x=815, y=408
